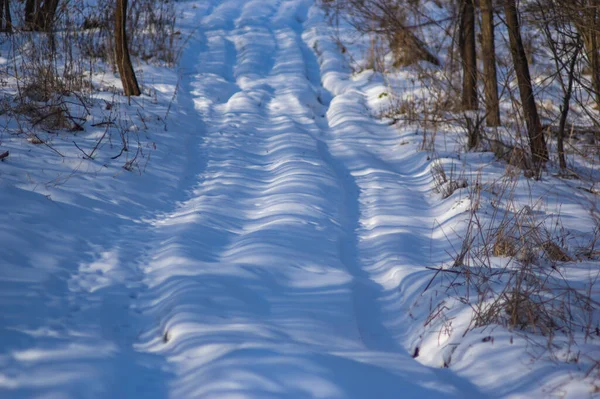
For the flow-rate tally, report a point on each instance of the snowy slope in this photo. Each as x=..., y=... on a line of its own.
x=263, y=253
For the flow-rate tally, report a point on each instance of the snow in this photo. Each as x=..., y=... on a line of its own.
x=273, y=245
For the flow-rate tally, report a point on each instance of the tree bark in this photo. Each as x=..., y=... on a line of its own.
x=2, y=15
x=565, y=110
x=592, y=17
x=128, y=78
x=586, y=15
x=468, y=55
x=593, y=54
x=488, y=50
x=30, y=12
x=537, y=142
x=45, y=15
x=7, y=17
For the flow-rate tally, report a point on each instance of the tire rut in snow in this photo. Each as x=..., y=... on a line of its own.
x=257, y=276
x=366, y=293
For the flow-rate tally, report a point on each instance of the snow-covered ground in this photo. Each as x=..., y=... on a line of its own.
x=274, y=245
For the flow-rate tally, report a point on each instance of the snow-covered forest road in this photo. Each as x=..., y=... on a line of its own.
x=264, y=253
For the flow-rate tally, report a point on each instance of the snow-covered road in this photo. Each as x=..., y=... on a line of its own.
x=263, y=257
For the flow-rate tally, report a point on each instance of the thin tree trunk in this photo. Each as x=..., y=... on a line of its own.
x=45, y=15
x=595, y=66
x=468, y=55
x=565, y=110
x=30, y=12
x=2, y=15
x=7, y=17
x=488, y=50
x=128, y=79
x=537, y=142
x=587, y=19
x=594, y=49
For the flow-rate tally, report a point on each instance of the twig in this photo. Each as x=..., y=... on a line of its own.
x=439, y=269
x=104, y=123
x=48, y=145
x=123, y=149
x=83, y=152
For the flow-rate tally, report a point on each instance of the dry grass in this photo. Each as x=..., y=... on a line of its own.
x=511, y=262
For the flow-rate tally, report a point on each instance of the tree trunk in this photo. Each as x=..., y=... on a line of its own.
x=128, y=79
x=2, y=15
x=587, y=19
x=488, y=50
x=7, y=17
x=40, y=15
x=468, y=55
x=593, y=21
x=568, y=92
x=30, y=12
x=45, y=15
x=539, y=151
x=594, y=57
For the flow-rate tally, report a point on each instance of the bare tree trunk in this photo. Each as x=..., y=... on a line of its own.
x=128, y=79
x=586, y=15
x=2, y=15
x=7, y=17
x=488, y=50
x=537, y=142
x=45, y=15
x=594, y=57
x=468, y=55
x=568, y=91
x=592, y=14
x=30, y=11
